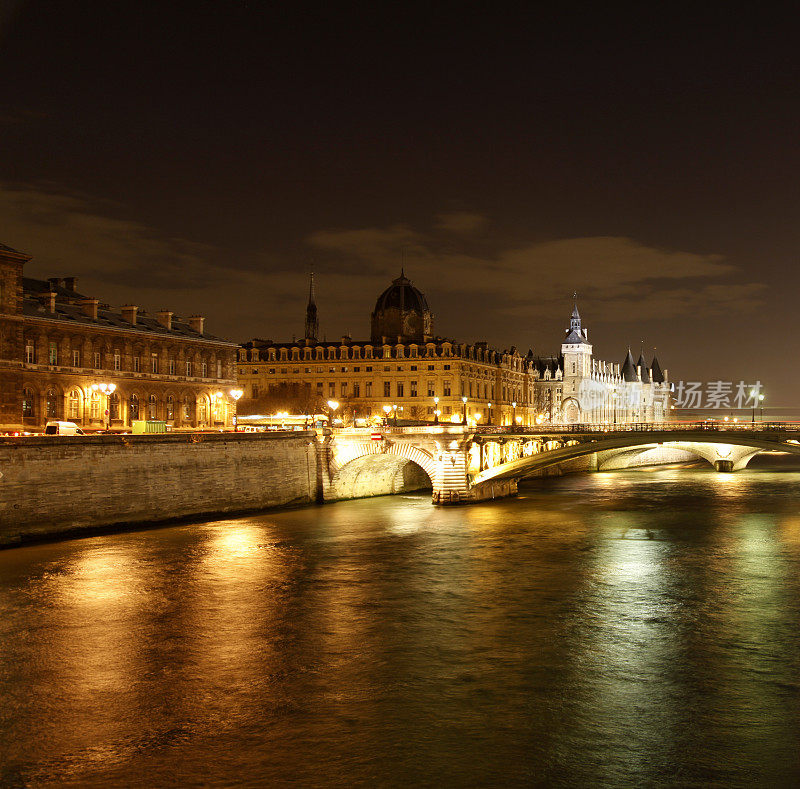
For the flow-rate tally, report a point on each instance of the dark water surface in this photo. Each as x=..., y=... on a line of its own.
x=618, y=629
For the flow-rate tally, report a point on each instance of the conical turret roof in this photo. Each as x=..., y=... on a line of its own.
x=655, y=372
x=629, y=368
x=644, y=371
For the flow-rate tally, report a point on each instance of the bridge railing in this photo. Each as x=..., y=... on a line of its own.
x=640, y=427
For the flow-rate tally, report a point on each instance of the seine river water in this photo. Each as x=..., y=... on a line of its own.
x=616, y=629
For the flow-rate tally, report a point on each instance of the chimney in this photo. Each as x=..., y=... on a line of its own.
x=165, y=319
x=69, y=283
x=55, y=282
x=49, y=300
x=129, y=313
x=89, y=307
x=196, y=322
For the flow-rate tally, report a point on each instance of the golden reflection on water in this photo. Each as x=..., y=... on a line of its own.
x=603, y=630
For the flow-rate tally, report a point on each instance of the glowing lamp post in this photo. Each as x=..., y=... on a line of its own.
x=386, y=410
x=107, y=390
x=332, y=406
x=514, y=412
x=236, y=394
x=614, y=400
x=488, y=413
x=394, y=408
x=436, y=410
x=464, y=407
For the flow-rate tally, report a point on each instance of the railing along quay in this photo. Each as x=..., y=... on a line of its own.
x=640, y=427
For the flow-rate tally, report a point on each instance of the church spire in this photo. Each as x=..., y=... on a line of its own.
x=312, y=322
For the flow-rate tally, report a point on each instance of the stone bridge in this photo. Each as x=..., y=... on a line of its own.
x=464, y=465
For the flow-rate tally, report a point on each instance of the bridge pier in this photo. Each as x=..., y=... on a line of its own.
x=723, y=465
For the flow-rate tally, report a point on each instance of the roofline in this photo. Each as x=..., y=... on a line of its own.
x=137, y=333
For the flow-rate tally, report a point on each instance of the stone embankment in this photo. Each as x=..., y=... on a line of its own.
x=57, y=485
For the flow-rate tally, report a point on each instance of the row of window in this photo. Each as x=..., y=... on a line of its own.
x=354, y=352
x=135, y=409
x=172, y=366
x=349, y=389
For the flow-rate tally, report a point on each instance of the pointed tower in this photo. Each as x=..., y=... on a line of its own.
x=576, y=350
x=642, y=364
x=576, y=360
x=656, y=374
x=312, y=321
x=629, y=369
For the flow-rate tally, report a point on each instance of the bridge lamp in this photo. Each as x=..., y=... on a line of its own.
x=464, y=406
x=488, y=413
x=236, y=394
x=394, y=408
x=436, y=410
x=514, y=411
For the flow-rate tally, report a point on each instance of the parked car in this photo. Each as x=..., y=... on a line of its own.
x=62, y=429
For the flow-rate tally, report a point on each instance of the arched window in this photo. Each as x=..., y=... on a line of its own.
x=170, y=408
x=134, y=407
x=219, y=409
x=74, y=404
x=151, y=407
x=202, y=410
x=51, y=404
x=113, y=406
x=27, y=403
x=188, y=407
x=94, y=406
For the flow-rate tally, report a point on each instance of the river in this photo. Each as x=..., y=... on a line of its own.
x=614, y=629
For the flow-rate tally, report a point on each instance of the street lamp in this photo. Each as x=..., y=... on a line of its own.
x=236, y=394
x=435, y=410
x=394, y=408
x=332, y=406
x=761, y=405
x=514, y=413
x=489, y=414
x=464, y=405
x=614, y=400
x=386, y=410
x=107, y=390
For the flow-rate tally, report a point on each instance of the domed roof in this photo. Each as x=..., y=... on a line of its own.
x=401, y=295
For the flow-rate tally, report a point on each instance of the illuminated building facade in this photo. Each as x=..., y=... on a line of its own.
x=407, y=371
x=58, y=347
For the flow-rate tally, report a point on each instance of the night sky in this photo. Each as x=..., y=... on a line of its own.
x=205, y=157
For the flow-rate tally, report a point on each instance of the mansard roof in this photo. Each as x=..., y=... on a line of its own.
x=7, y=249
x=69, y=311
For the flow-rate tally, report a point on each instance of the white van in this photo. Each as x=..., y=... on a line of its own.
x=62, y=429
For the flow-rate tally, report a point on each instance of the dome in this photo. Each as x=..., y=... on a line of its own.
x=401, y=295
x=401, y=314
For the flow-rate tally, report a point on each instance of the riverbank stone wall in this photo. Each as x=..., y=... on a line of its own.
x=56, y=485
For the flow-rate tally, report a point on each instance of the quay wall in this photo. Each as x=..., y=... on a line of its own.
x=56, y=485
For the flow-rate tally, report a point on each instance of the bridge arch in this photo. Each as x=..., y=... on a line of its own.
x=726, y=451
x=376, y=468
